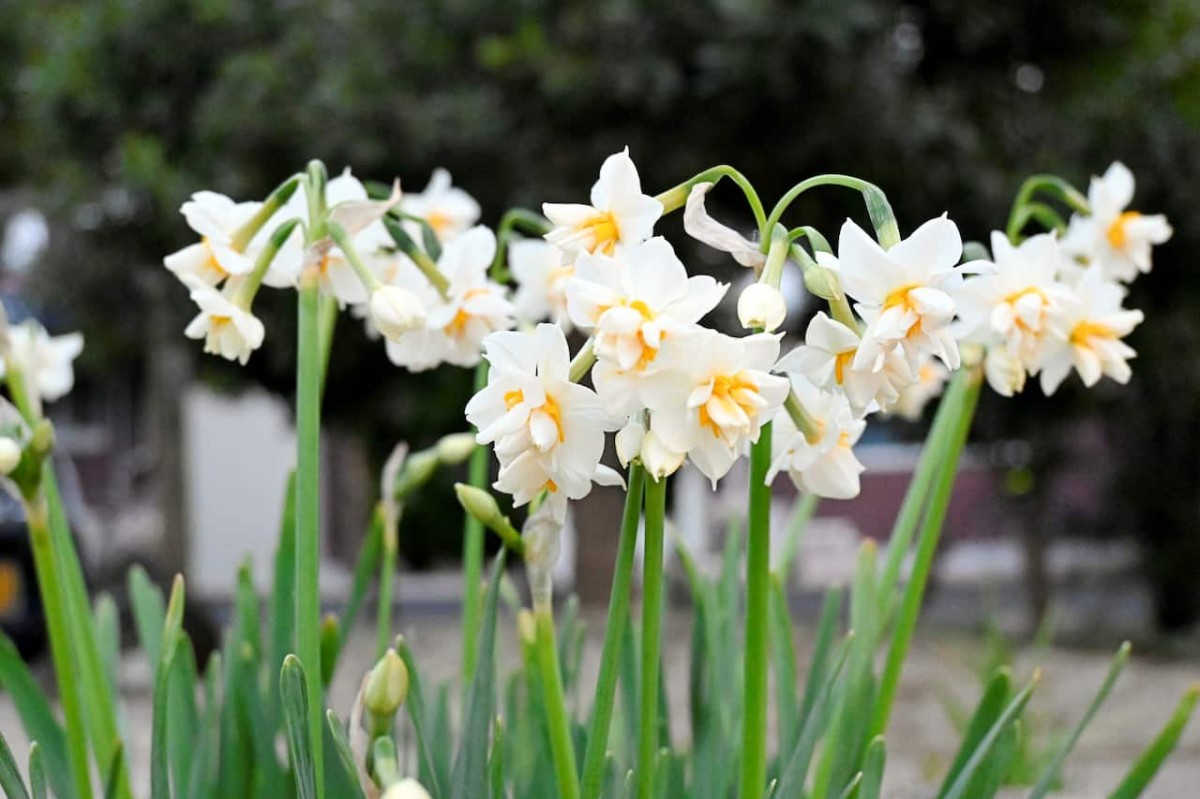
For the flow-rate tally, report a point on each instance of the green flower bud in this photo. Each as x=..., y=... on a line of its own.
x=455, y=448
x=417, y=471
x=387, y=687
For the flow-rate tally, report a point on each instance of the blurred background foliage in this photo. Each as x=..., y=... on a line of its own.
x=113, y=111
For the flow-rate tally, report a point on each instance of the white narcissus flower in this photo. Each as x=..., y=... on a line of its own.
x=448, y=209
x=1116, y=240
x=44, y=360
x=541, y=278
x=228, y=329
x=1014, y=307
x=548, y=432
x=407, y=788
x=620, y=213
x=702, y=227
x=632, y=303
x=827, y=359
x=930, y=381
x=712, y=395
x=905, y=294
x=761, y=306
x=827, y=465
x=1089, y=335
x=217, y=219
x=456, y=325
x=395, y=310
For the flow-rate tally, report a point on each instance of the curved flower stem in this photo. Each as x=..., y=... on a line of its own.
x=758, y=592
x=1052, y=185
x=652, y=612
x=387, y=578
x=614, y=636
x=473, y=545
x=877, y=205
x=675, y=197
x=561, y=746
x=514, y=219
x=308, y=528
x=935, y=515
x=51, y=587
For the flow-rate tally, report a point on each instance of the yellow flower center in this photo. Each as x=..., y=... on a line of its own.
x=439, y=222
x=212, y=263
x=729, y=390
x=216, y=321
x=841, y=362
x=603, y=231
x=844, y=440
x=458, y=325
x=901, y=298
x=550, y=407
x=1083, y=333
x=513, y=398
x=1117, y=234
x=1015, y=297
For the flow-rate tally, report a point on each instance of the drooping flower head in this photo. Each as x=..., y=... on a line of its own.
x=930, y=381
x=548, y=432
x=905, y=293
x=215, y=257
x=712, y=396
x=449, y=210
x=541, y=282
x=1089, y=335
x=1117, y=240
x=45, y=360
x=632, y=303
x=824, y=465
x=228, y=328
x=619, y=214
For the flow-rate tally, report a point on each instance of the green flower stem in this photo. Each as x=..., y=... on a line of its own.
x=241, y=239
x=935, y=516
x=675, y=197
x=427, y=265
x=805, y=422
x=316, y=179
x=877, y=204
x=308, y=529
x=61, y=640
x=614, y=636
x=246, y=291
x=387, y=578
x=652, y=613
x=473, y=545
x=777, y=252
x=514, y=220
x=583, y=361
x=1044, y=214
x=342, y=240
x=758, y=594
x=1054, y=186
x=561, y=746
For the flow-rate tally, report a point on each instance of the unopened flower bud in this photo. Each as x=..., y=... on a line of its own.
x=407, y=788
x=479, y=503
x=10, y=455
x=417, y=470
x=387, y=686
x=395, y=311
x=42, y=442
x=822, y=282
x=542, y=535
x=1005, y=373
x=629, y=442
x=762, y=306
x=455, y=448
x=658, y=459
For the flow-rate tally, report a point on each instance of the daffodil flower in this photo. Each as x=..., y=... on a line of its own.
x=228, y=328
x=472, y=307
x=619, y=214
x=44, y=360
x=905, y=294
x=702, y=227
x=541, y=282
x=1117, y=240
x=712, y=396
x=824, y=465
x=930, y=381
x=1014, y=307
x=215, y=257
x=1089, y=335
x=827, y=359
x=548, y=432
x=447, y=209
x=632, y=303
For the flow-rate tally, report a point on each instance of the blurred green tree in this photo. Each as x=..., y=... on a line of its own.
x=117, y=109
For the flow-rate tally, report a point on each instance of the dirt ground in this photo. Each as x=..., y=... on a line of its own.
x=921, y=740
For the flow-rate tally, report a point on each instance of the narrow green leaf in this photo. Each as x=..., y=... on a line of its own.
x=990, y=706
x=108, y=636
x=149, y=613
x=1152, y=758
x=994, y=772
x=281, y=610
x=116, y=773
x=417, y=713
x=331, y=641
x=204, y=771
x=803, y=510
x=851, y=786
x=958, y=790
x=294, y=694
x=496, y=760
x=36, y=717
x=183, y=722
x=10, y=775
x=365, y=569
x=341, y=747
x=1052, y=769
x=873, y=766
x=160, y=779
x=469, y=777
x=37, y=772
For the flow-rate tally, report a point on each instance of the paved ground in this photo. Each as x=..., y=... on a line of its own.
x=921, y=740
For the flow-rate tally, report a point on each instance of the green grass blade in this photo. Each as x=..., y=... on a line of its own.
x=107, y=622
x=160, y=776
x=851, y=786
x=991, y=705
x=36, y=717
x=149, y=613
x=496, y=760
x=183, y=719
x=283, y=621
x=341, y=748
x=873, y=767
x=428, y=771
x=116, y=773
x=293, y=693
x=469, y=777
x=37, y=772
x=958, y=790
x=10, y=775
x=783, y=651
x=831, y=609
x=1052, y=770
x=1152, y=758
x=994, y=773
